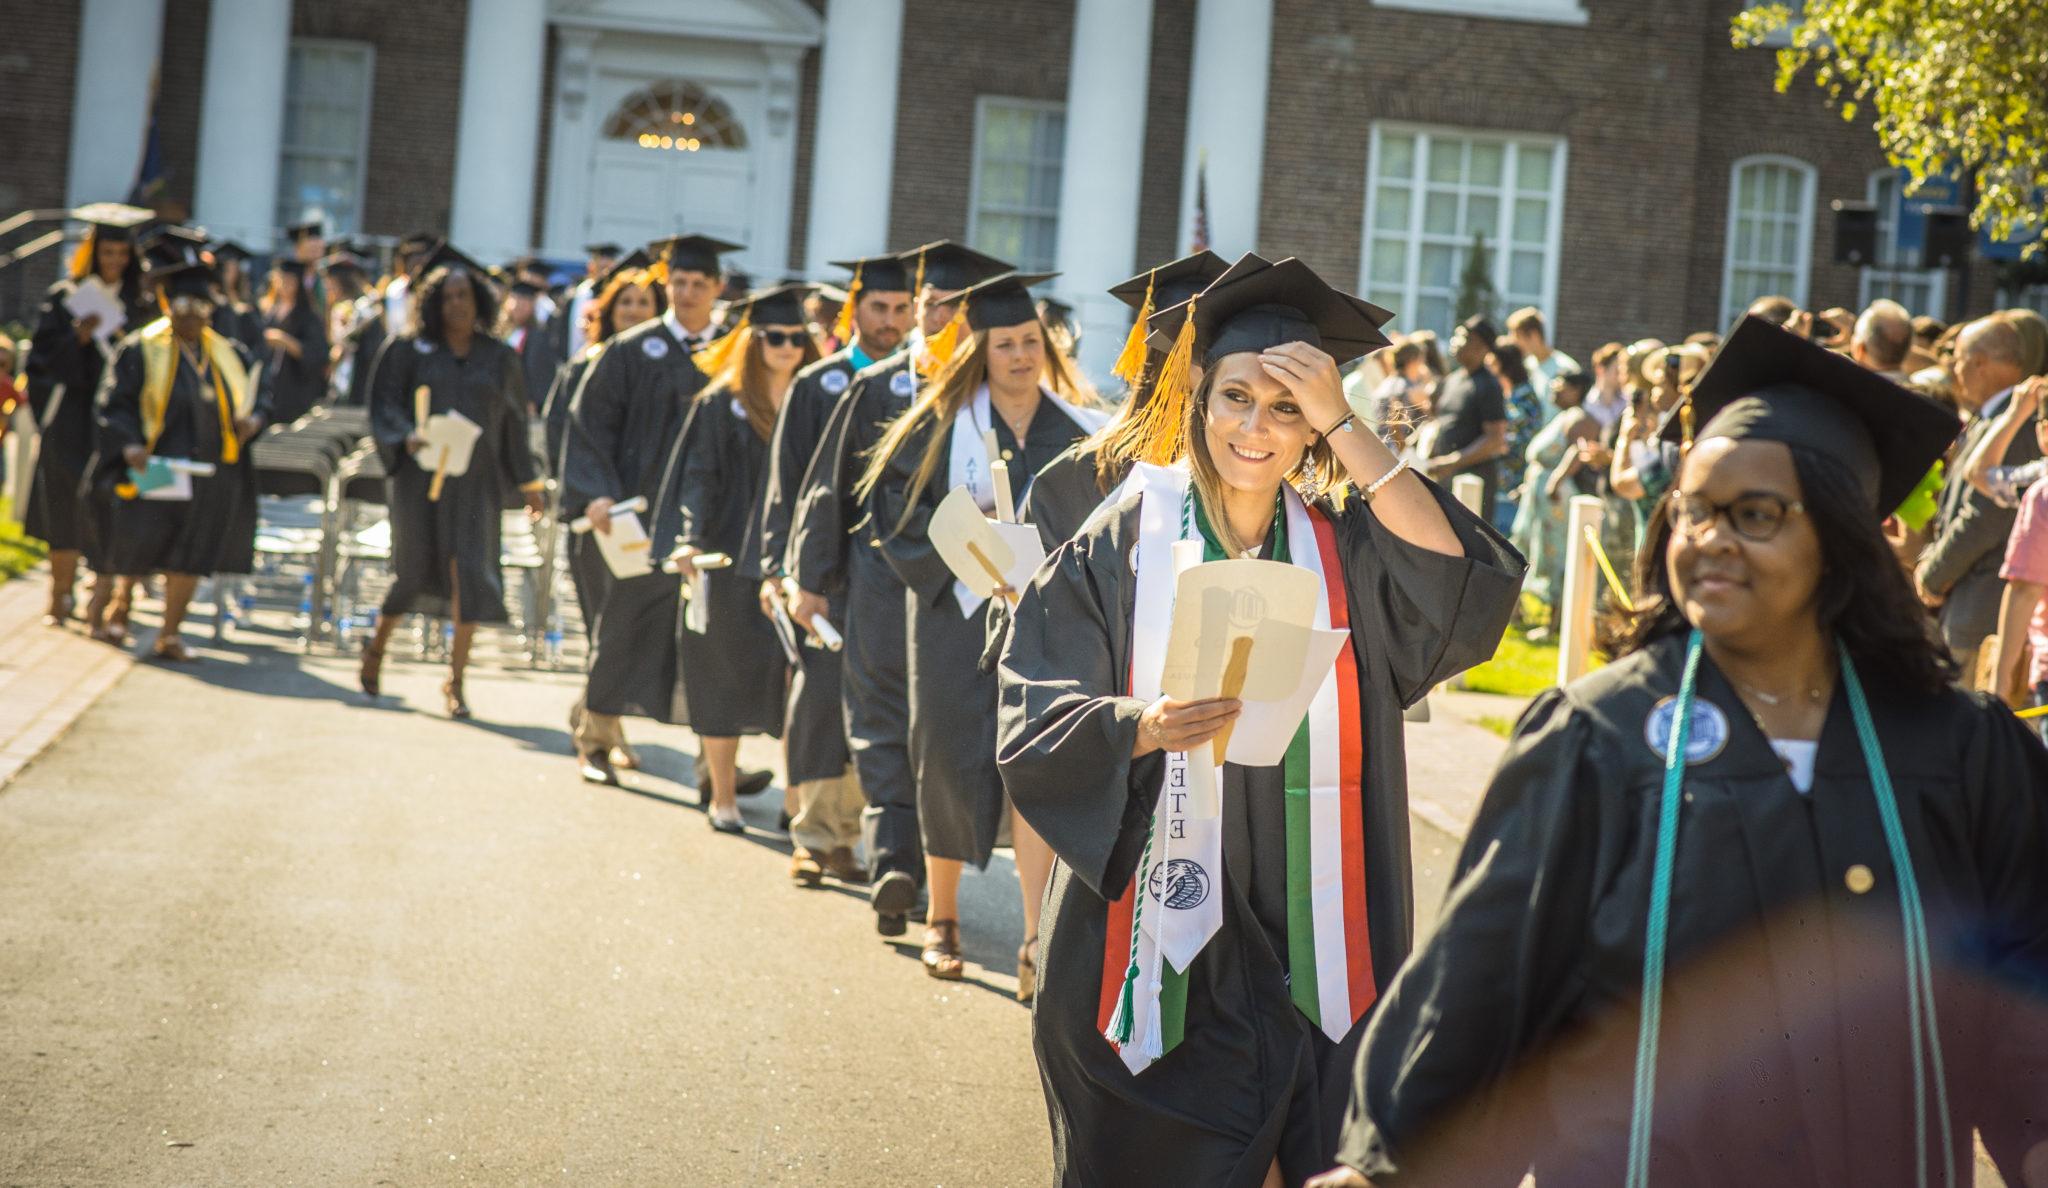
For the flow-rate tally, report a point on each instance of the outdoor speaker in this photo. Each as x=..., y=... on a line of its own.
x=1948, y=237
x=1855, y=232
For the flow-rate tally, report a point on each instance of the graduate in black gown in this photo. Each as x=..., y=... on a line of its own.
x=734, y=675
x=62, y=374
x=178, y=392
x=623, y=426
x=873, y=322
x=1076, y=482
x=233, y=315
x=1824, y=1012
x=1290, y=906
x=1007, y=378
x=446, y=552
x=833, y=548
x=295, y=335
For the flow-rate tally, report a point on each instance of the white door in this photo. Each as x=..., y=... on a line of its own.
x=671, y=157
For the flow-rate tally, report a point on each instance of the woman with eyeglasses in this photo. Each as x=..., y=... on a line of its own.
x=1765, y=901
x=733, y=675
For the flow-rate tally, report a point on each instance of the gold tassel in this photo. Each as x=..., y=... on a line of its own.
x=714, y=359
x=842, y=327
x=82, y=262
x=941, y=346
x=919, y=286
x=1130, y=363
x=658, y=271
x=1163, y=421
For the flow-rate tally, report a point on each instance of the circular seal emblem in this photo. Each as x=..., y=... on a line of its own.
x=834, y=382
x=1180, y=884
x=1709, y=730
x=655, y=346
x=903, y=383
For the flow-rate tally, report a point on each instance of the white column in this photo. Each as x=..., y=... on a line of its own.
x=118, y=42
x=854, y=140
x=1227, y=120
x=1102, y=169
x=497, y=143
x=241, y=119
x=767, y=254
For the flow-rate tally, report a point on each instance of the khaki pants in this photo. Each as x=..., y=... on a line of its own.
x=595, y=732
x=828, y=813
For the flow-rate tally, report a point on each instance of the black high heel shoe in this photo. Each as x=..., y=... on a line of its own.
x=371, y=674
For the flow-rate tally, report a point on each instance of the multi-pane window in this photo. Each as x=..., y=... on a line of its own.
x=1770, y=233
x=1435, y=194
x=326, y=134
x=1897, y=273
x=678, y=116
x=1015, y=209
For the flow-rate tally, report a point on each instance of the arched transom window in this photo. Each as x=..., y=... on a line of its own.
x=677, y=116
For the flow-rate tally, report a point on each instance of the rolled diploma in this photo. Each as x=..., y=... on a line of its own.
x=826, y=633
x=1006, y=508
x=636, y=504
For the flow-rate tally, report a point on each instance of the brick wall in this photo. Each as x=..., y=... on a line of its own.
x=1166, y=123
x=953, y=52
x=38, y=68
x=800, y=185
x=414, y=108
x=181, y=81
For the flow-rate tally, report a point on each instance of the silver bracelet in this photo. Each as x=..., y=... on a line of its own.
x=1374, y=489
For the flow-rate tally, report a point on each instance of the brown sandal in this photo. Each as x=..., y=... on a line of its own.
x=451, y=696
x=371, y=674
x=1027, y=970
x=941, y=955
x=171, y=650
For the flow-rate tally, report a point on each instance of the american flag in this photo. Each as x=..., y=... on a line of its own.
x=1201, y=230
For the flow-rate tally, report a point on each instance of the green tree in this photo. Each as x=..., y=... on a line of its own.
x=1476, y=294
x=1954, y=86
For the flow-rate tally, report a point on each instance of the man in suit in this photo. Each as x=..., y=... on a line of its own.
x=1958, y=572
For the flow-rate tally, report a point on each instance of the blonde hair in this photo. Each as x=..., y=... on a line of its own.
x=955, y=382
x=1317, y=470
x=745, y=377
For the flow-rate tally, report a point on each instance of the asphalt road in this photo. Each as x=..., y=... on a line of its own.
x=255, y=931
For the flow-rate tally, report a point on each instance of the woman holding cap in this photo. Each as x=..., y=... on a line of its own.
x=445, y=528
x=1765, y=901
x=1204, y=975
x=66, y=356
x=1008, y=383
x=732, y=673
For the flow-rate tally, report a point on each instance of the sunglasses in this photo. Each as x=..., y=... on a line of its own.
x=780, y=338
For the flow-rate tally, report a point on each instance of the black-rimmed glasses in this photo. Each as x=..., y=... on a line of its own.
x=1756, y=516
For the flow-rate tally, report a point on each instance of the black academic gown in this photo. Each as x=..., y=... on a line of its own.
x=832, y=551
x=537, y=354
x=464, y=528
x=365, y=341
x=63, y=381
x=1252, y=1079
x=624, y=423
x=1063, y=495
x=213, y=531
x=952, y=697
x=241, y=323
x=298, y=384
x=1510, y=1036
x=814, y=742
x=733, y=677
x=587, y=571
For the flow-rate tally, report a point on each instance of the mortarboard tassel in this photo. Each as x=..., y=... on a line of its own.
x=714, y=359
x=1162, y=422
x=919, y=286
x=940, y=347
x=658, y=271
x=1130, y=363
x=82, y=259
x=842, y=327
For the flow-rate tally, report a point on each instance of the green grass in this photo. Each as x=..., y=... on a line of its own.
x=1518, y=669
x=19, y=552
x=1501, y=726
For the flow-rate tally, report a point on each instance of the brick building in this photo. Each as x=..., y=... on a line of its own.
x=1631, y=172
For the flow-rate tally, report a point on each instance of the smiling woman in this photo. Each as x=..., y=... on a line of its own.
x=1843, y=857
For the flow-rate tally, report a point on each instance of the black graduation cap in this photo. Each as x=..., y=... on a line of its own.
x=228, y=249
x=181, y=278
x=1170, y=283
x=290, y=266
x=950, y=267
x=885, y=274
x=447, y=253
x=782, y=305
x=1769, y=384
x=525, y=288
x=637, y=258
x=116, y=220
x=170, y=243
x=418, y=241
x=297, y=231
x=342, y=262
x=606, y=249
x=1005, y=300
x=1258, y=304
x=693, y=253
